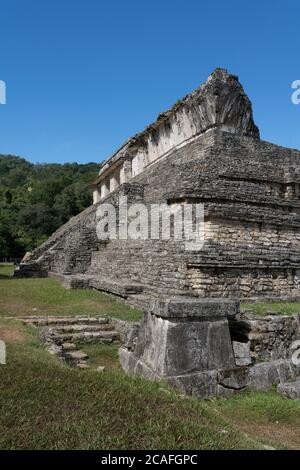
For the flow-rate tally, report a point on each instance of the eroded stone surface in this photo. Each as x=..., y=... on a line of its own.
x=76, y=355
x=242, y=353
x=202, y=309
x=271, y=337
x=190, y=336
x=290, y=389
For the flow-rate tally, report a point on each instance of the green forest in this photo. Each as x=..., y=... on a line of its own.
x=35, y=199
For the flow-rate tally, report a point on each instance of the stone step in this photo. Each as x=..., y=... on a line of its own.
x=75, y=320
x=290, y=389
x=83, y=328
x=117, y=287
x=82, y=365
x=122, y=288
x=76, y=355
x=68, y=346
x=88, y=337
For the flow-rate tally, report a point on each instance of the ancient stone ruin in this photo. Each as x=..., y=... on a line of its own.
x=206, y=149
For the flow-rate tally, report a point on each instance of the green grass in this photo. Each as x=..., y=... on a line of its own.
x=279, y=308
x=102, y=355
x=274, y=419
x=19, y=297
x=6, y=270
x=47, y=405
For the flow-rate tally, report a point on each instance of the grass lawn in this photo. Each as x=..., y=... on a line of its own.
x=102, y=355
x=19, y=297
x=45, y=404
x=281, y=308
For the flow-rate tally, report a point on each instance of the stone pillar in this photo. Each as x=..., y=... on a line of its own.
x=126, y=172
x=114, y=181
x=96, y=196
x=104, y=189
x=184, y=341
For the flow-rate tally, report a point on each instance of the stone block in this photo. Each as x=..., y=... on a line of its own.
x=182, y=336
x=241, y=353
x=76, y=355
x=290, y=389
x=68, y=346
x=235, y=378
x=179, y=339
x=202, y=384
x=187, y=307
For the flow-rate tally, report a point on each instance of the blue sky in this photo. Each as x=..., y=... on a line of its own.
x=83, y=76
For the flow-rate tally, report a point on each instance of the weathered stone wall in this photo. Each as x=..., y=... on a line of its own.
x=241, y=235
x=269, y=337
x=272, y=247
x=245, y=282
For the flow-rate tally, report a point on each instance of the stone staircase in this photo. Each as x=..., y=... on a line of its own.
x=87, y=333
x=61, y=335
x=131, y=292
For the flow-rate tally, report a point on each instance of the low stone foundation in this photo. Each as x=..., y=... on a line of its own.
x=192, y=344
x=268, y=338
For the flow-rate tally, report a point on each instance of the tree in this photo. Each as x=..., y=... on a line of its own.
x=36, y=199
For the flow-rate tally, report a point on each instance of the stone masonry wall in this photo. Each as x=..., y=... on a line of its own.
x=245, y=283
x=273, y=247
x=269, y=338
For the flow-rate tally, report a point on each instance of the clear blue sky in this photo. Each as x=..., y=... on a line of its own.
x=83, y=76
